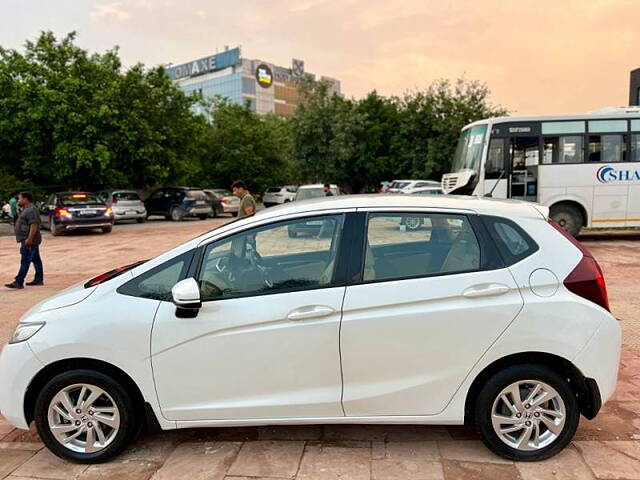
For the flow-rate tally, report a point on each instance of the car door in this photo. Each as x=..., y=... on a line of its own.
x=265, y=343
x=46, y=211
x=428, y=304
x=152, y=203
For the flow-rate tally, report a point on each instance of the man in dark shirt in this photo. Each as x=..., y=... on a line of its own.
x=27, y=229
x=327, y=190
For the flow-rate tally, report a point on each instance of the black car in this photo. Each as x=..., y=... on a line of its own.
x=176, y=203
x=65, y=211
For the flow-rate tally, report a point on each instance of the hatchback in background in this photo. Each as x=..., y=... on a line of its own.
x=306, y=192
x=226, y=202
x=176, y=203
x=126, y=204
x=406, y=186
x=492, y=316
x=279, y=195
x=426, y=191
x=65, y=211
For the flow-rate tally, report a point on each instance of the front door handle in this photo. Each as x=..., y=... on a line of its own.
x=311, y=311
x=486, y=290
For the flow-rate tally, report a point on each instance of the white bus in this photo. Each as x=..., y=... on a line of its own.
x=586, y=168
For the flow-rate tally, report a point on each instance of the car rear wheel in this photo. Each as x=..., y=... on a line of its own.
x=203, y=217
x=141, y=220
x=176, y=214
x=107, y=229
x=526, y=413
x=85, y=416
x=55, y=231
x=413, y=223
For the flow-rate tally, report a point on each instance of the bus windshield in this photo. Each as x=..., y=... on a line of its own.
x=469, y=149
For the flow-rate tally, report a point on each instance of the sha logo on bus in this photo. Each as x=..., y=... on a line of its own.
x=607, y=173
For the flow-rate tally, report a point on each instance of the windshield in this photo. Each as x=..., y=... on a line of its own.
x=71, y=199
x=469, y=149
x=126, y=196
x=399, y=185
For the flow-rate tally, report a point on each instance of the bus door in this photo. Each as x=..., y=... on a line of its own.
x=496, y=169
x=524, y=157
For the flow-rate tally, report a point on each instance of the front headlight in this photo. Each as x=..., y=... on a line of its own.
x=24, y=331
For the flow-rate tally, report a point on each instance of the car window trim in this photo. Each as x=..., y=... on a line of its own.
x=335, y=281
x=476, y=225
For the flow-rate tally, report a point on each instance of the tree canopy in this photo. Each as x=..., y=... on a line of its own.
x=76, y=119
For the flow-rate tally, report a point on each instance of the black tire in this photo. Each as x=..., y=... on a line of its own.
x=203, y=217
x=175, y=214
x=568, y=216
x=141, y=220
x=129, y=421
x=495, y=385
x=107, y=229
x=55, y=231
x=292, y=234
x=234, y=214
x=413, y=223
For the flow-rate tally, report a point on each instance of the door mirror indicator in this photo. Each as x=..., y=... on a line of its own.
x=186, y=297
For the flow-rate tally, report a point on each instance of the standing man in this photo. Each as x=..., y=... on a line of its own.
x=327, y=190
x=247, y=203
x=27, y=228
x=13, y=204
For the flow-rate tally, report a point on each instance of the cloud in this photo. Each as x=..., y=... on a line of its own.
x=109, y=11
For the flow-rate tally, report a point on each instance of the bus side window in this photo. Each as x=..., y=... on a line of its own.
x=635, y=147
x=607, y=148
x=495, y=165
x=563, y=149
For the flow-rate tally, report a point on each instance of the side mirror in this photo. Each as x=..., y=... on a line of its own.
x=186, y=298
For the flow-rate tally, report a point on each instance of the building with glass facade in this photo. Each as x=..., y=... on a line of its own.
x=634, y=87
x=268, y=87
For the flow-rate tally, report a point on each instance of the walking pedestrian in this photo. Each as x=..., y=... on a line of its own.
x=247, y=202
x=13, y=205
x=27, y=230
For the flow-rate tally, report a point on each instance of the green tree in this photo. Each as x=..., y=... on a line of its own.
x=72, y=118
x=243, y=145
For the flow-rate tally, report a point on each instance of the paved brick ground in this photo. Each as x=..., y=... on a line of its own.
x=606, y=448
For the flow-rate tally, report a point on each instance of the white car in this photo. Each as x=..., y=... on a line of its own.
x=406, y=186
x=492, y=315
x=305, y=192
x=278, y=195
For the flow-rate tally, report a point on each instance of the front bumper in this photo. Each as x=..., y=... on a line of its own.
x=18, y=366
x=600, y=358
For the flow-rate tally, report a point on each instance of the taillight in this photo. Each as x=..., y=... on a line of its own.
x=61, y=212
x=109, y=211
x=103, y=277
x=115, y=201
x=586, y=279
x=224, y=200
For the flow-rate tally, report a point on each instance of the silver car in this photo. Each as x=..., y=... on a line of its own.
x=126, y=204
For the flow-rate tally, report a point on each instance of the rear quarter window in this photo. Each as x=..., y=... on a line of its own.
x=514, y=244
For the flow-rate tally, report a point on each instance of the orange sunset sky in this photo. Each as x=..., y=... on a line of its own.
x=544, y=56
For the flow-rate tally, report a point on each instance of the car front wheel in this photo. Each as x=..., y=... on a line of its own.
x=526, y=413
x=85, y=416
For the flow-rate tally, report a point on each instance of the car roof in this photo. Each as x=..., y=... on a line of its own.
x=472, y=204
x=431, y=187
x=317, y=185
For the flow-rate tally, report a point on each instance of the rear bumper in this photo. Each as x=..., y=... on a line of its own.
x=18, y=366
x=230, y=208
x=599, y=360
x=194, y=212
x=79, y=226
x=129, y=215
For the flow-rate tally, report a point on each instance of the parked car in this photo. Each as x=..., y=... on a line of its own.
x=426, y=191
x=279, y=195
x=126, y=204
x=176, y=203
x=227, y=202
x=306, y=192
x=405, y=186
x=495, y=316
x=66, y=211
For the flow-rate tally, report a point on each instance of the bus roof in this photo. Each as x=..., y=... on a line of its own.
x=605, y=113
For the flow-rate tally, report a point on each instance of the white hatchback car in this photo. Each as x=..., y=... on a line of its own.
x=487, y=314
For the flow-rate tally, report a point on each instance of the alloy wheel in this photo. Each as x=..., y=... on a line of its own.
x=83, y=418
x=528, y=415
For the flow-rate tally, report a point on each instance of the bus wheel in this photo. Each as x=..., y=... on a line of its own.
x=568, y=216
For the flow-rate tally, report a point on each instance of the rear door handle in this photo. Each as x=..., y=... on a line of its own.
x=311, y=311
x=486, y=290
